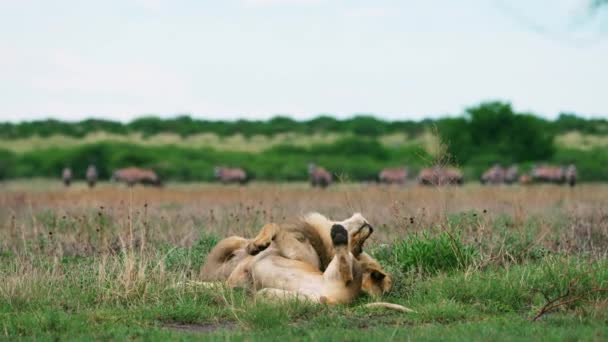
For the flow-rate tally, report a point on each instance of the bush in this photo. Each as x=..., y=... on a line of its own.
x=441, y=253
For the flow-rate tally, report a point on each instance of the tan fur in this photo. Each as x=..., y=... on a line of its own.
x=224, y=258
x=307, y=241
x=275, y=276
x=376, y=281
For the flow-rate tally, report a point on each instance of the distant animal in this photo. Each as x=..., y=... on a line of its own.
x=452, y=176
x=91, y=175
x=66, y=176
x=548, y=174
x=134, y=175
x=393, y=176
x=554, y=174
x=319, y=176
x=525, y=179
x=428, y=176
x=571, y=175
x=440, y=176
x=495, y=175
x=230, y=175
x=511, y=174
x=307, y=240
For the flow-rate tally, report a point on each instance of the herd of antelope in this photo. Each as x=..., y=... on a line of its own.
x=321, y=177
x=539, y=174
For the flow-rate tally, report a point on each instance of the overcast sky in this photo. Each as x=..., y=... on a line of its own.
x=401, y=59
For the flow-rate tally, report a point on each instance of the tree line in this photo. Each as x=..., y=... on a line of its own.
x=365, y=125
x=486, y=134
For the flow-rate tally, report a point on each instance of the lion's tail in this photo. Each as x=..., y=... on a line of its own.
x=389, y=306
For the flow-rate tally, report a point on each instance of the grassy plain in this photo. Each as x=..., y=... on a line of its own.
x=475, y=263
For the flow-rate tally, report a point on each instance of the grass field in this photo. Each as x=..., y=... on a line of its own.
x=474, y=263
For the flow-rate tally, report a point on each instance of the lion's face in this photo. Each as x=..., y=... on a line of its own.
x=376, y=281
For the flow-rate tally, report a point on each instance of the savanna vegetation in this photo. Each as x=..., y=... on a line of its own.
x=474, y=263
x=186, y=149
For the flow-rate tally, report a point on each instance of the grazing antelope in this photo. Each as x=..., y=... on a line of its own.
x=571, y=175
x=511, y=174
x=549, y=174
x=393, y=176
x=495, y=175
x=554, y=174
x=440, y=176
x=452, y=176
x=525, y=179
x=134, y=175
x=319, y=176
x=91, y=175
x=66, y=176
x=230, y=175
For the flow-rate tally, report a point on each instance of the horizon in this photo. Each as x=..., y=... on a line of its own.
x=461, y=114
x=258, y=59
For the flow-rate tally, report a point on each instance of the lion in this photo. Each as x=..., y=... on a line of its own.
x=308, y=241
x=274, y=276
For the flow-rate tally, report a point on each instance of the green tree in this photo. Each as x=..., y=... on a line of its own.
x=493, y=131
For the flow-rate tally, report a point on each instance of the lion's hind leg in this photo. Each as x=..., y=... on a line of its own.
x=340, y=268
x=221, y=260
x=263, y=239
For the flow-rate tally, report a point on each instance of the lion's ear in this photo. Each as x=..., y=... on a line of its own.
x=378, y=276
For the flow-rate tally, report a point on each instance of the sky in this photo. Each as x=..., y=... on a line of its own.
x=229, y=59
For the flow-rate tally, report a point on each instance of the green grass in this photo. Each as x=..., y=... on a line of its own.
x=329, y=326
x=444, y=252
x=69, y=299
x=468, y=275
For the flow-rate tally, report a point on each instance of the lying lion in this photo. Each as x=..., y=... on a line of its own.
x=306, y=246
x=272, y=275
